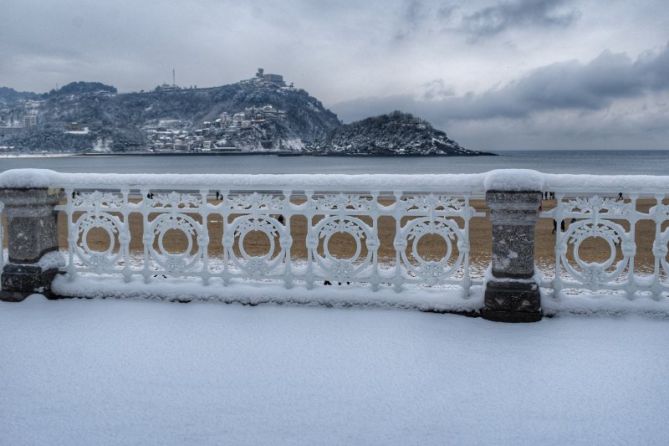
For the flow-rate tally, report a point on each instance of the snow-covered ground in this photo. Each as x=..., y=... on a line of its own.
x=110, y=372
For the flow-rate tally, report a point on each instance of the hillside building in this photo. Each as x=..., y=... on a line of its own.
x=30, y=120
x=274, y=79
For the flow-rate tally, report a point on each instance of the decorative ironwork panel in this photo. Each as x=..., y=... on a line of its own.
x=613, y=221
x=106, y=213
x=265, y=220
x=176, y=213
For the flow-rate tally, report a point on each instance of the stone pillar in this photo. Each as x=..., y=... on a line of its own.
x=511, y=294
x=32, y=234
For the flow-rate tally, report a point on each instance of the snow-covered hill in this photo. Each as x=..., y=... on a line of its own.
x=396, y=133
x=261, y=113
x=124, y=118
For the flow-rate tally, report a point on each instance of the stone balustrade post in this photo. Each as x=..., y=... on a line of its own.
x=32, y=239
x=512, y=294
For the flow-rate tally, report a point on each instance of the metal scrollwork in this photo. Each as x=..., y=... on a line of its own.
x=175, y=262
x=257, y=266
x=337, y=268
x=252, y=234
x=593, y=274
x=430, y=272
x=98, y=260
x=591, y=218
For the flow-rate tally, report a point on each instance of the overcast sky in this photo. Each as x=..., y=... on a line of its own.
x=527, y=74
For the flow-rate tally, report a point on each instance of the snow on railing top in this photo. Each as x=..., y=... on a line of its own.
x=503, y=179
x=26, y=178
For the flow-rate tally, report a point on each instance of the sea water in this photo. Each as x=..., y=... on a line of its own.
x=647, y=162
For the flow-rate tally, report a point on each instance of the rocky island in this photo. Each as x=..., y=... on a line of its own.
x=396, y=133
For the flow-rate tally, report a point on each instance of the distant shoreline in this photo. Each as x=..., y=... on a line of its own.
x=282, y=154
x=36, y=155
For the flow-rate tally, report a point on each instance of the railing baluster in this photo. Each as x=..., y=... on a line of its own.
x=374, y=279
x=311, y=241
x=225, y=212
x=398, y=242
x=466, y=285
x=631, y=287
x=203, y=238
x=558, y=218
x=287, y=214
x=71, y=234
x=147, y=236
x=659, y=248
x=2, y=242
x=126, y=235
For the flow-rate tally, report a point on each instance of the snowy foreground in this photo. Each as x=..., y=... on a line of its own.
x=108, y=372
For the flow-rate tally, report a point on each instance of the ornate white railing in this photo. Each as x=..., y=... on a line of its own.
x=300, y=218
x=612, y=218
x=270, y=214
x=611, y=208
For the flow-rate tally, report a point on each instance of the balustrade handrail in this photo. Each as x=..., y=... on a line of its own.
x=26, y=178
x=419, y=205
x=500, y=179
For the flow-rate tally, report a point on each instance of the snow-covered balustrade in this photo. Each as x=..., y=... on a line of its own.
x=163, y=234
x=268, y=213
x=327, y=238
x=612, y=217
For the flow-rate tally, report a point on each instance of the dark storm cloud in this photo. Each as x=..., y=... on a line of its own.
x=462, y=17
x=566, y=85
x=497, y=18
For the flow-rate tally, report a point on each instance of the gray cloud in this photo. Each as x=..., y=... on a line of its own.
x=495, y=19
x=462, y=17
x=559, y=86
x=413, y=16
x=613, y=101
x=628, y=124
x=436, y=89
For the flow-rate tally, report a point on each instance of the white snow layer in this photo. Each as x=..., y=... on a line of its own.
x=52, y=260
x=503, y=179
x=513, y=180
x=109, y=372
x=413, y=297
x=439, y=298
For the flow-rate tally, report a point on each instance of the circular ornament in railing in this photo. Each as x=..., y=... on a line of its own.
x=343, y=269
x=591, y=273
x=430, y=272
x=98, y=259
x=175, y=262
x=257, y=265
x=661, y=250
